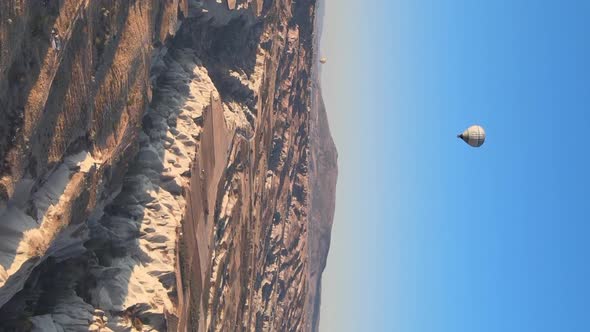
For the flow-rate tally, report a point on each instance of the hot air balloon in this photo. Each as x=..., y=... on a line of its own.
x=474, y=136
x=323, y=60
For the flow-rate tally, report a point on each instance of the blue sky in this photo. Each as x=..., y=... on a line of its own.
x=430, y=234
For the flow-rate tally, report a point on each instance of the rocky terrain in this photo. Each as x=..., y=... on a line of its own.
x=165, y=165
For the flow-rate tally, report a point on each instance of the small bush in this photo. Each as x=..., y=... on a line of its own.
x=37, y=243
x=137, y=324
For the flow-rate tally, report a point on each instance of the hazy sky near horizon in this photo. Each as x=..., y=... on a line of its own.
x=430, y=234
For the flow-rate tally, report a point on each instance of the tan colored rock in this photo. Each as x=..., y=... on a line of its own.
x=199, y=211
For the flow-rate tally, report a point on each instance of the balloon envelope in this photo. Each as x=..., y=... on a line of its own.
x=474, y=136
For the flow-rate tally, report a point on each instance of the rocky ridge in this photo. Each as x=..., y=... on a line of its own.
x=210, y=205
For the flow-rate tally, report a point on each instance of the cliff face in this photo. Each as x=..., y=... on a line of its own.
x=69, y=116
x=166, y=165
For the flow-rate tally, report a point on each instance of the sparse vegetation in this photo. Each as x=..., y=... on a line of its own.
x=37, y=243
x=99, y=43
x=137, y=324
x=38, y=240
x=131, y=315
x=3, y=192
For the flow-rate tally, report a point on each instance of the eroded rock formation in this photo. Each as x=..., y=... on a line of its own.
x=168, y=166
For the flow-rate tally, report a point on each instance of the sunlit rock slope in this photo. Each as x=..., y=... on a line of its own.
x=168, y=167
